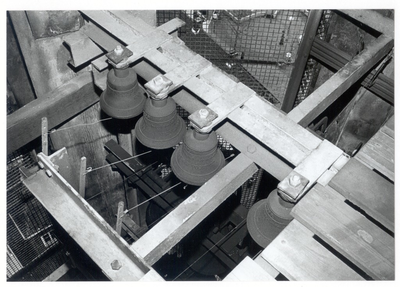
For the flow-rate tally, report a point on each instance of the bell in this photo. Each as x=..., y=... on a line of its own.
x=268, y=217
x=123, y=98
x=198, y=158
x=160, y=127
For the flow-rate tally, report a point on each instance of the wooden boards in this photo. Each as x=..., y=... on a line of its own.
x=367, y=189
x=298, y=256
x=333, y=88
x=378, y=152
x=248, y=271
x=179, y=222
x=325, y=212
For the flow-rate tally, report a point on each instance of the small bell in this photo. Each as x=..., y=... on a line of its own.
x=198, y=158
x=268, y=217
x=123, y=98
x=160, y=127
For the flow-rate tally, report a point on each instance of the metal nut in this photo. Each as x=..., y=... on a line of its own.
x=294, y=180
x=41, y=165
x=115, y=265
x=203, y=113
x=118, y=50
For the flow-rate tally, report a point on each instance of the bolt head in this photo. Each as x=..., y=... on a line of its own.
x=118, y=50
x=203, y=113
x=295, y=180
x=48, y=172
x=115, y=265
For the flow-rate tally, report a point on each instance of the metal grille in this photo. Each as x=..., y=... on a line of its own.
x=30, y=235
x=256, y=46
x=312, y=68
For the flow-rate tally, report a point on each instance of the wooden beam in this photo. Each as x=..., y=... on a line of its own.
x=367, y=189
x=333, y=88
x=99, y=240
x=325, y=212
x=248, y=270
x=59, y=105
x=301, y=60
x=177, y=224
x=372, y=19
x=299, y=257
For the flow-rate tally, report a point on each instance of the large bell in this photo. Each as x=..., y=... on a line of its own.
x=123, y=98
x=198, y=158
x=268, y=217
x=160, y=127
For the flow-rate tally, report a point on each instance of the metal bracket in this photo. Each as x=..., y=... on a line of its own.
x=203, y=118
x=119, y=54
x=158, y=87
x=292, y=186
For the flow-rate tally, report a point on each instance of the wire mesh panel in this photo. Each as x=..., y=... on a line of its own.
x=256, y=46
x=30, y=235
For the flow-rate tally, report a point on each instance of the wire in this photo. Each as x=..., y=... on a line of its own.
x=126, y=211
x=210, y=249
x=80, y=125
x=89, y=169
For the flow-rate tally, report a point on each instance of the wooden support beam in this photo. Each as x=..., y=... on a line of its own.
x=177, y=224
x=333, y=88
x=299, y=257
x=301, y=60
x=367, y=189
x=248, y=270
x=99, y=240
x=371, y=19
x=325, y=212
x=61, y=104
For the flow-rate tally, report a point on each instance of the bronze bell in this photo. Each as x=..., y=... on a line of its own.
x=268, y=217
x=123, y=98
x=160, y=127
x=198, y=158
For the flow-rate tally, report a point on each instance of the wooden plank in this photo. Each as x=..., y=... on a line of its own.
x=85, y=225
x=133, y=21
x=270, y=135
x=172, y=228
x=218, y=79
x=201, y=87
x=249, y=271
x=177, y=50
x=284, y=123
x=313, y=167
x=388, y=128
x=172, y=25
x=114, y=25
x=378, y=154
x=100, y=37
x=298, y=256
x=372, y=19
x=100, y=63
x=367, y=189
x=57, y=274
x=58, y=106
x=333, y=88
x=151, y=276
x=264, y=264
x=324, y=212
x=161, y=60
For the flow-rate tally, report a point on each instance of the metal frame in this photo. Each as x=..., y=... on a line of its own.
x=259, y=131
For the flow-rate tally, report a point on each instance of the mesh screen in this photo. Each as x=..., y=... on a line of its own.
x=30, y=235
x=256, y=46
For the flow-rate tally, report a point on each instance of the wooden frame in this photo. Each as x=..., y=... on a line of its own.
x=253, y=119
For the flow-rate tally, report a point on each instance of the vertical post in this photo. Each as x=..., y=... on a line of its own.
x=301, y=60
x=120, y=213
x=82, y=177
x=45, y=136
